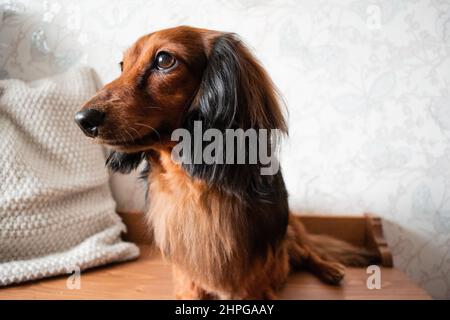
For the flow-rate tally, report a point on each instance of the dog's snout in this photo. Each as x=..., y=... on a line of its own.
x=89, y=120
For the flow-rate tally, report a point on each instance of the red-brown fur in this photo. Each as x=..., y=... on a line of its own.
x=200, y=227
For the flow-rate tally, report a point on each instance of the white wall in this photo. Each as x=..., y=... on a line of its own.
x=366, y=82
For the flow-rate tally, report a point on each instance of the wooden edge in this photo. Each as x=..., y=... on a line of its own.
x=348, y=228
x=375, y=239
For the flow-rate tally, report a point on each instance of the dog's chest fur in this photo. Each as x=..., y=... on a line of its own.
x=198, y=228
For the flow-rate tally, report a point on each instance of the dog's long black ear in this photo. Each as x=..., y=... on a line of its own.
x=124, y=162
x=235, y=92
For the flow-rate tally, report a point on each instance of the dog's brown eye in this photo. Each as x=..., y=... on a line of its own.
x=121, y=65
x=164, y=60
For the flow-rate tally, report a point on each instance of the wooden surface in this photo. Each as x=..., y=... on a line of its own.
x=150, y=277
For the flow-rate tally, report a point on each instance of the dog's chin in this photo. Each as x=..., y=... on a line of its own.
x=143, y=143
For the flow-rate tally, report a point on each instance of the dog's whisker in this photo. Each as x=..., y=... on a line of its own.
x=129, y=134
x=122, y=138
x=137, y=132
x=150, y=127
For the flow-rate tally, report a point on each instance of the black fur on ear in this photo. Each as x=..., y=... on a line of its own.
x=124, y=162
x=235, y=92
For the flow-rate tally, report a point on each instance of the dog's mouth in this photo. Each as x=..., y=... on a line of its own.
x=141, y=143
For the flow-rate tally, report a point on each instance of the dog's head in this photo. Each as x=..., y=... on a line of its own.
x=177, y=75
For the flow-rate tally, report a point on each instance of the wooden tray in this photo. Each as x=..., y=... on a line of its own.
x=364, y=230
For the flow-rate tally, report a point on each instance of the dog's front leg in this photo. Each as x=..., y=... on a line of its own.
x=186, y=289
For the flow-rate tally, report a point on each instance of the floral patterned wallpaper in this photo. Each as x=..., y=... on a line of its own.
x=367, y=83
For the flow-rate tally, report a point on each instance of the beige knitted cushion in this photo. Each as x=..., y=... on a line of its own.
x=56, y=209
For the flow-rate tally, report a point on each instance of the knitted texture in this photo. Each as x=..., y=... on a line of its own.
x=56, y=209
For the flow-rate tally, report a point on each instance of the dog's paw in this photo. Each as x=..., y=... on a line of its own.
x=332, y=273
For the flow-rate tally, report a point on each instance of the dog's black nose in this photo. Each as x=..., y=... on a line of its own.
x=89, y=120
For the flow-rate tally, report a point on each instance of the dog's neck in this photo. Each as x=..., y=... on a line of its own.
x=160, y=155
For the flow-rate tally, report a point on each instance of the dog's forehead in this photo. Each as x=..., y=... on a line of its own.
x=184, y=41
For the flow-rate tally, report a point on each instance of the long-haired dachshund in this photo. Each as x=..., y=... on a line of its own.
x=225, y=227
